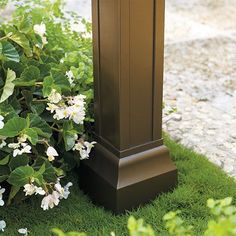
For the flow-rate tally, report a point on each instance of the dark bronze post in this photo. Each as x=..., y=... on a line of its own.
x=130, y=164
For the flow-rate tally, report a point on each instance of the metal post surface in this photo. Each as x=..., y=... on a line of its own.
x=130, y=165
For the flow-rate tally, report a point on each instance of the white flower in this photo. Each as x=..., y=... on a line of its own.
x=84, y=149
x=89, y=146
x=23, y=231
x=50, y=200
x=1, y=122
x=40, y=29
x=14, y=145
x=61, y=113
x=51, y=153
x=78, y=146
x=31, y=189
x=62, y=61
x=77, y=100
x=2, y=225
x=3, y=144
x=52, y=107
x=54, y=97
x=26, y=148
x=44, y=40
x=63, y=191
x=22, y=138
x=77, y=114
x=39, y=191
x=2, y=190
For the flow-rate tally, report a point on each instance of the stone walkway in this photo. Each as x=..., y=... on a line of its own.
x=200, y=76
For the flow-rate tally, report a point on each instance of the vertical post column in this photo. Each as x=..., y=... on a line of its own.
x=130, y=165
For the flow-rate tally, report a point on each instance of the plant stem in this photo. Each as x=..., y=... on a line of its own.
x=55, y=129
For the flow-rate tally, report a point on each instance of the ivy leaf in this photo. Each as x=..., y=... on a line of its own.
x=9, y=52
x=9, y=86
x=21, y=176
x=13, y=127
x=21, y=40
x=28, y=77
x=32, y=135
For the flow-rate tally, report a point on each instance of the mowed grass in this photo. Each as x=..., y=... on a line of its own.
x=198, y=181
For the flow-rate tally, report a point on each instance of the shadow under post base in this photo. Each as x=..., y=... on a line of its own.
x=121, y=184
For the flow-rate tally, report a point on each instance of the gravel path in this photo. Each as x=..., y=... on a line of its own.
x=200, y=75
x=200, y=78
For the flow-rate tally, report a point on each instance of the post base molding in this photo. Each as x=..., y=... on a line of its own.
x=121, y=184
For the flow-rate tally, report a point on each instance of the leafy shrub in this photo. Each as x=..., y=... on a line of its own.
x=46, y=96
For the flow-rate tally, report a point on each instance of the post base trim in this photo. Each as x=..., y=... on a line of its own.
x=125, y=183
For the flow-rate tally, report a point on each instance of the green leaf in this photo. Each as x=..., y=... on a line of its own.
x=8, y=88
x=61, y=82
x=39, y=174
x=13, y=127
x=49, y=174
x=0, y=48
x=3, y=178
x=25, y=24
x=15, y=66
x=4, y=160
x=9, y=52
x=32, y=135
x=28, y=77
x=21, y=176
x=13, y=192
x=47, y=86
x=21, y=40
x=4, y=173
x=69, y=135
x=40, y=126
x=18, y=161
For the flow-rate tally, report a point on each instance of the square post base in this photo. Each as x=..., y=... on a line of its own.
x=121, y=184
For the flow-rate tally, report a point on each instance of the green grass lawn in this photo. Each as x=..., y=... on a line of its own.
x=198, y=181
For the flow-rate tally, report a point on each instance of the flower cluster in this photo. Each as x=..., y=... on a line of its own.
x=31, y=189
x=72, y=108
x=20, y=147
x=53, y=199
x=84, y=148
